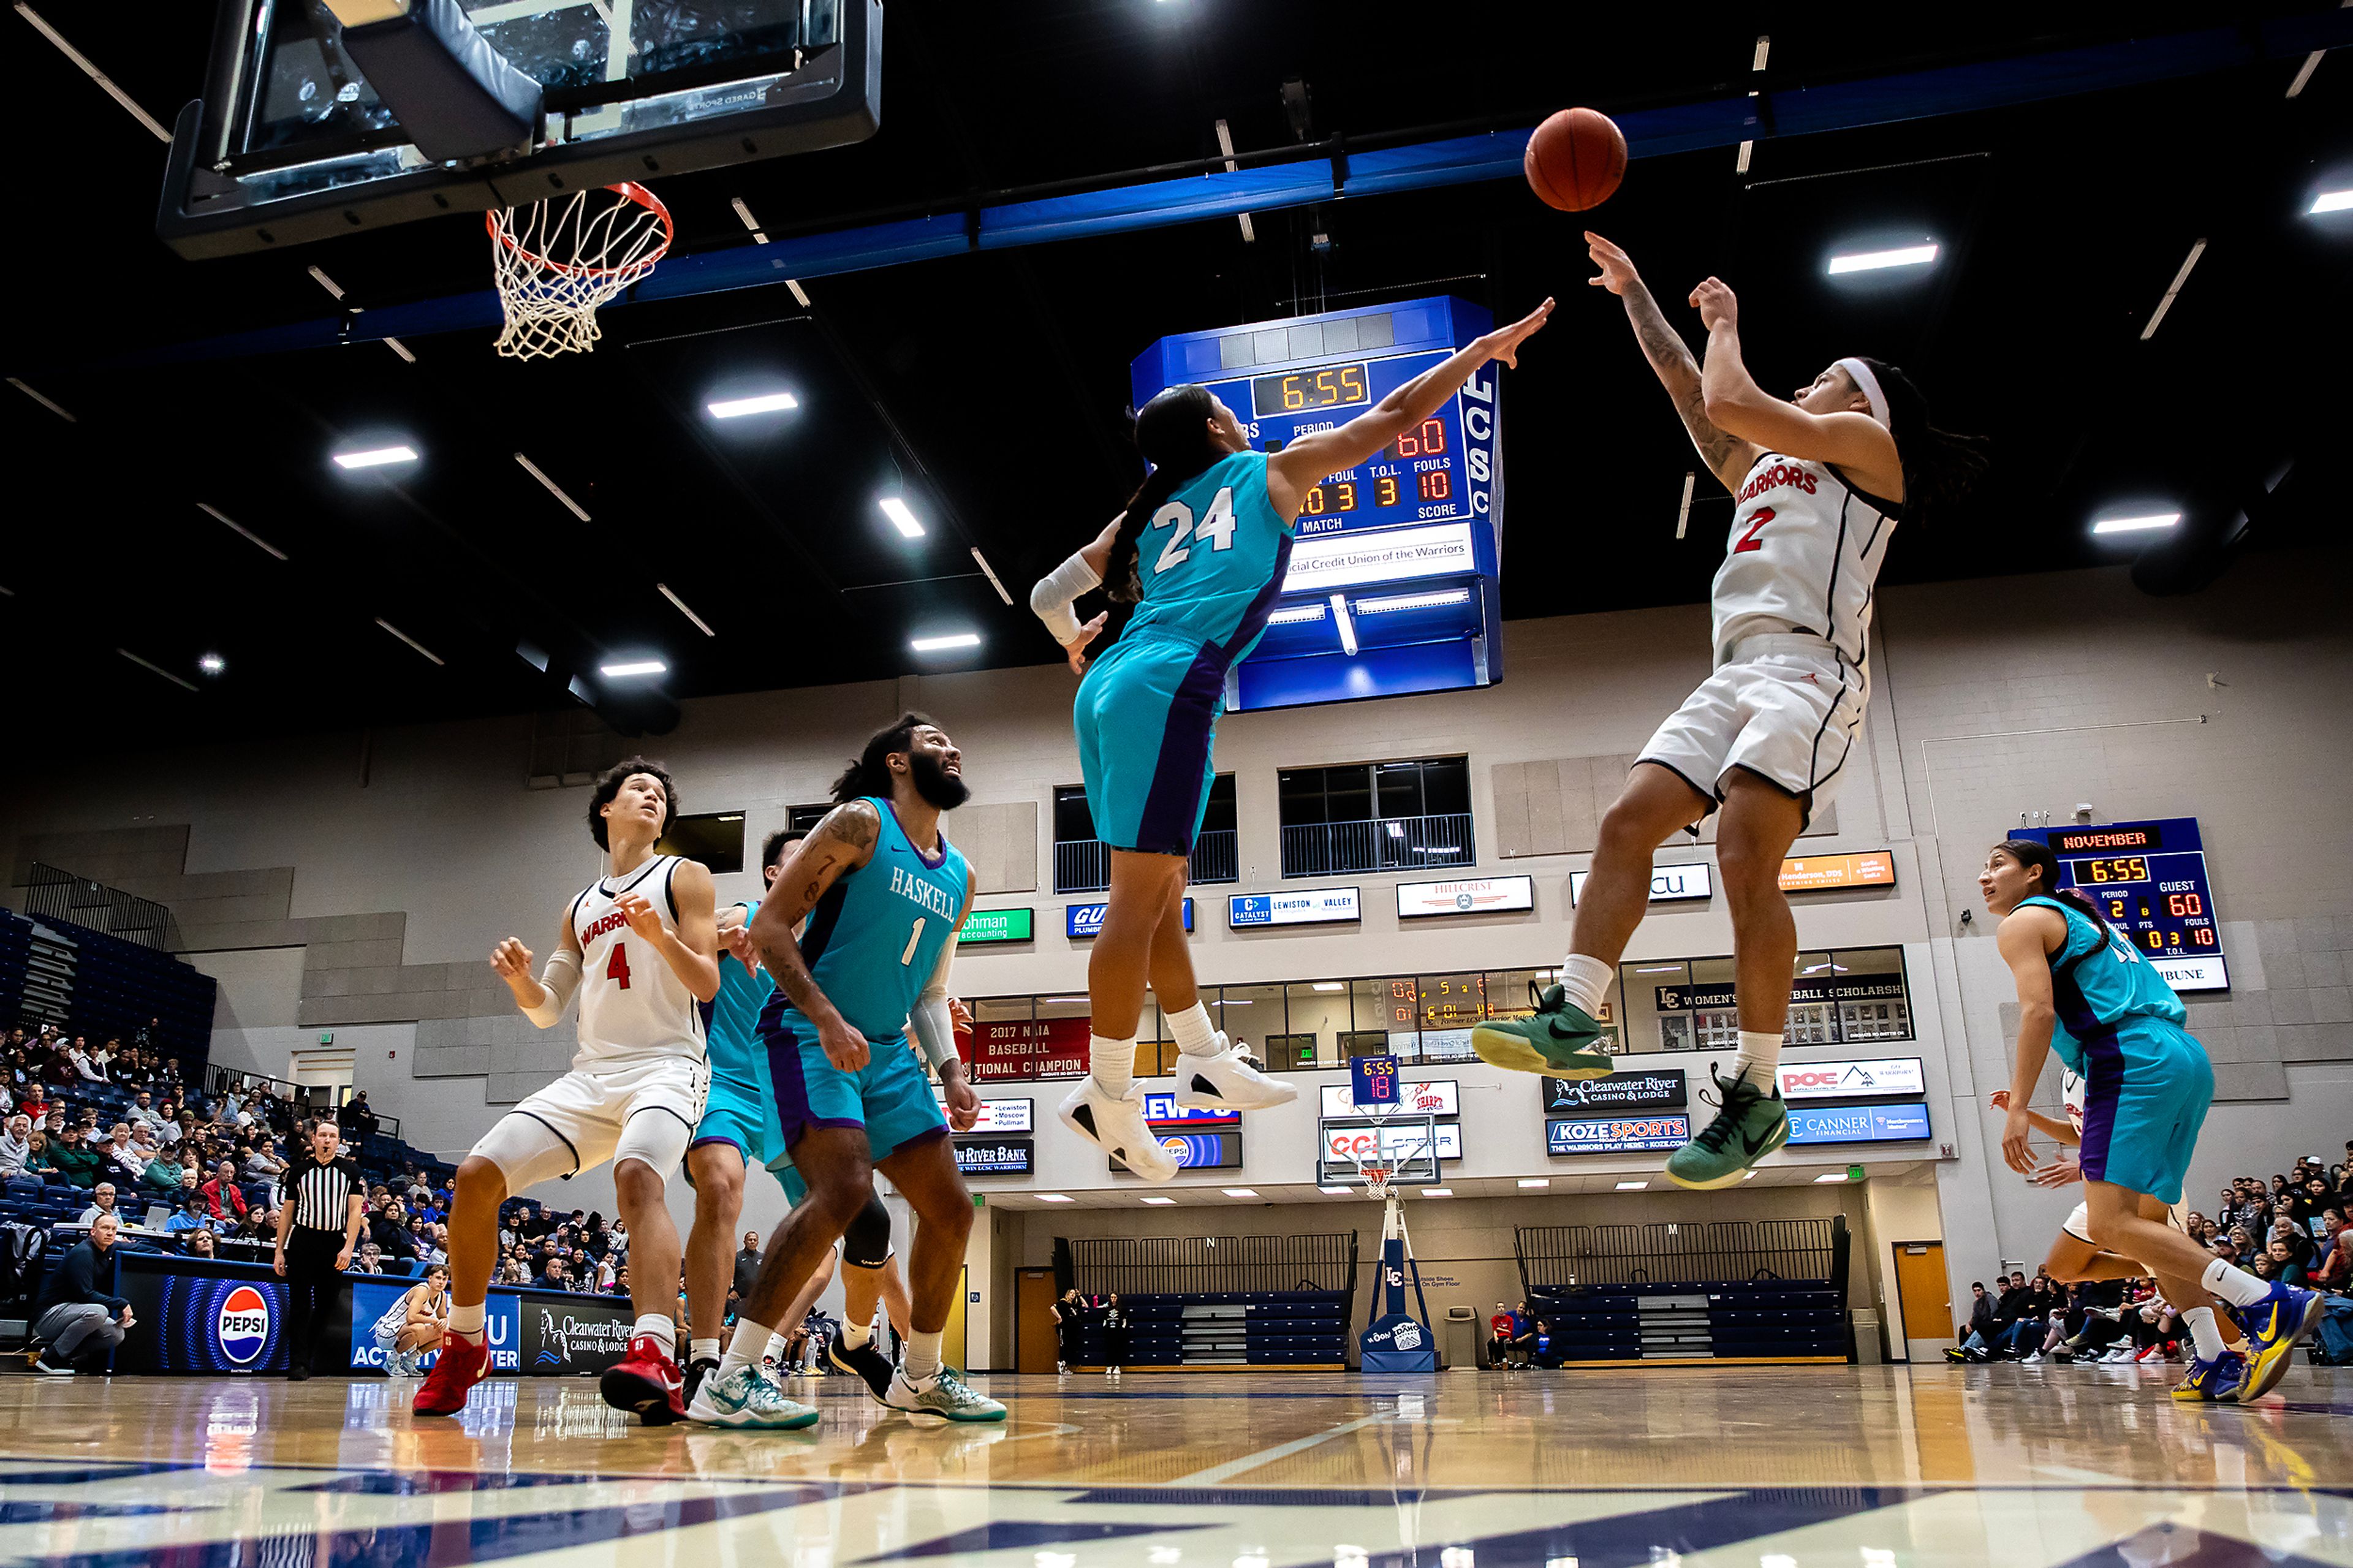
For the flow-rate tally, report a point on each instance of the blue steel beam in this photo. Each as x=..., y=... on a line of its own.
x=1649, y=133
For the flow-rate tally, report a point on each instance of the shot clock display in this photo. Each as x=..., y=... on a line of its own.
x=2149, y=881
x=1424, y=514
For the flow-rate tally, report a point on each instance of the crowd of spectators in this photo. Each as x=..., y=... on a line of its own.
x=583, y=1253
x=2292, y=1230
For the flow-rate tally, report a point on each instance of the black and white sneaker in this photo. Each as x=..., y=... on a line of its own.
x=867, y=1363
x=696, y=1371
x=49, y=1368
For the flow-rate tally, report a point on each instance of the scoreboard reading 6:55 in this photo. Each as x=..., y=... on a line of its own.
x=2149, y=881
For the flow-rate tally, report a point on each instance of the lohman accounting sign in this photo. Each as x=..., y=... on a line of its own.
x=1466, y=896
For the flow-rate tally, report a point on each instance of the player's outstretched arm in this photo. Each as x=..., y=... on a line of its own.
x=2050, y=1127
x=1727, y=456
x=1051, y=599
x=542, y=999
x=2025, y=941
x=693, y=953
x=1732, y=399
x=841, y=843
x=1300, y=467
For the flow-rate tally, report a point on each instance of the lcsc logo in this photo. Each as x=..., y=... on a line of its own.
x=243, y=1328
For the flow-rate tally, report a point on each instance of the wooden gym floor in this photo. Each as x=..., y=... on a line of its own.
x=1752, y=1467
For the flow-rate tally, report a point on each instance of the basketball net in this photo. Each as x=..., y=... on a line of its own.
x=557, y=260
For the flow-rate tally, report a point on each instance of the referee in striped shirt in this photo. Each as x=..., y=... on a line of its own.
x=318, y=1228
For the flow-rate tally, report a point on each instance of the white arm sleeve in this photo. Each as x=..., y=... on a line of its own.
x=935, y=1029
x=560, y=979
x=1057, y=591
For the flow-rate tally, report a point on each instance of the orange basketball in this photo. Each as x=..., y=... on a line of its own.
x=1575, y=159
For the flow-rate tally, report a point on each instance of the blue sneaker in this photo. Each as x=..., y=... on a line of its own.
x=2212, y=1380
x=2274, y=1326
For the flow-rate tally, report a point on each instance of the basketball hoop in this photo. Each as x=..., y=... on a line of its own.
x=557, y=260
x=1378, y=1179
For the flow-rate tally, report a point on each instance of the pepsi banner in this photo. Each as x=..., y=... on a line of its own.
x=1858, y=1124
x=1199, y=1151
x=373, y=1299
x=231, y=1318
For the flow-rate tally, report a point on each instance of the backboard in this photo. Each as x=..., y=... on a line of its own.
x=1404, y=1144
x=289, y=142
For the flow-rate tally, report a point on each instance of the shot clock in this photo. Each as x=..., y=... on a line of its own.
x=1424, y=514
x=2149, y=879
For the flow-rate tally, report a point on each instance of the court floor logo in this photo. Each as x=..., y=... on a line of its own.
x=242, y=1328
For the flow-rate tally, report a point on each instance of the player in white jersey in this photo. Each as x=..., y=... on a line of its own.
x=1818, y=483
x=640, y=945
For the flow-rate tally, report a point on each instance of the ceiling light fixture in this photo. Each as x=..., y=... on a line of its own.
x=1411, y=601
x=536, y=472
x=1296, y=614
x=1755, y=64
x=239, y=529
x=105, y=83
x=1526, y=1182
x=1348, y=626
x=942, y=643
x=1239, y=1192
x=1631, y=1186
x=699, y=623
x=2172, y=289
x=1877, y=260
x=396, y=346
x=766, y=402
x=375, y=456
x=211, y=663
x=1055, y=1198
x=157, y=669
x=1438, y=1192
x=411, y=641
x=1682, y=512
x=329, y=284
x=749, y=221
x=2142, y=524
x=798, y=292
x=629, y=667
x=990, y=572
x=1337, y=1191
x=1226, y=150
x=2331, y=202
x=1331, y=985
x=1159, y=1202
x=1829, y=1176
x=49, y=403
x=902, y=517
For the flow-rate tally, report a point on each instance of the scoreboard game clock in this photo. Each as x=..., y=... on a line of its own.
x=2149, y=881
x=1391, y=586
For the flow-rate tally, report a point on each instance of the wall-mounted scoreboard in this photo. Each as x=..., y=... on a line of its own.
x=1392, y=582
x=2149, y=879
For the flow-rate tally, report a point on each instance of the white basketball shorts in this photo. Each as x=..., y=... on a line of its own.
x=1788, y=708
x=2079, y=1224
x=646, y=1110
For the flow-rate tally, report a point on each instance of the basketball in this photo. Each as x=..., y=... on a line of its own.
x=1575, y=159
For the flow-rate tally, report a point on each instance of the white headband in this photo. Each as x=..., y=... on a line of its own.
x=1870, y=393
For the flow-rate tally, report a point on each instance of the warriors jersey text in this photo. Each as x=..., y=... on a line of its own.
x=1804, y=555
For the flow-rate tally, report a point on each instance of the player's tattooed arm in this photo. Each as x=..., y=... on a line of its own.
x=841, y=843
x=1727, y=456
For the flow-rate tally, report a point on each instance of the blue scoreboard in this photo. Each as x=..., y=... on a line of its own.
x=1392, y=584
x=2149, y=879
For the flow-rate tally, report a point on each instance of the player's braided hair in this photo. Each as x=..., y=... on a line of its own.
x=1172, y=432
x=1939, y=466
x=2033, y=854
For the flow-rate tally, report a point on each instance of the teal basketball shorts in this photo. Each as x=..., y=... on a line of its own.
x=2147, y=1085
x=742, y=1113
x=889, y=1098
x=1147, y=719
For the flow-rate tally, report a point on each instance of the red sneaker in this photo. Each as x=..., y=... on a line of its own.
x=453, y=1376
x=648, y=1382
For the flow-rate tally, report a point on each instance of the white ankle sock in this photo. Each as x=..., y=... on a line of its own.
x=661, y=1329
x=923, y=1355
x=702, y=1350
x=1586, y=981
x=778, y=1345
x=467, y=1322
x=2235, y=1286
x=1759, y=1056
x=1112, y=1062
x=745, y=1348
x=2207, y=1337
x=1194, y=1034
x=856, y=1335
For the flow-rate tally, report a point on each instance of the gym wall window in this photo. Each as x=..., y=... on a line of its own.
x=1840, y=997
x=715, y=839
x=1082, y=861
x=1376, y=816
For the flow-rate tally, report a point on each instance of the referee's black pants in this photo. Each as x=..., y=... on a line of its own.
x=310, y=1282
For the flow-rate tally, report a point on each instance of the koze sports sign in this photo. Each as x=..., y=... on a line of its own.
x=1851, y=1081
x=1616, y=1134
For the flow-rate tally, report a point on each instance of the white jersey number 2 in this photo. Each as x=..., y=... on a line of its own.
x=1217, y=526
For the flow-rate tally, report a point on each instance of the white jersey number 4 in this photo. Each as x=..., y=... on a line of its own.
x=1217, y=526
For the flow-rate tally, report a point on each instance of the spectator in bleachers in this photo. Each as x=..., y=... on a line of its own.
x=191, y=1215
x=101, y=1203
x=84, y=1068
x=122, y=1157
x=200, y=1244
x=15, y=1147
x=163, y=1173
x=263, y=1164
x=223, y=1196
x=81, y=1318
x=553, y=1277
x=357, y=1120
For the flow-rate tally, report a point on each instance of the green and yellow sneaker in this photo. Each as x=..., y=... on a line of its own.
x=1749, y=1125
x=1560, y=1040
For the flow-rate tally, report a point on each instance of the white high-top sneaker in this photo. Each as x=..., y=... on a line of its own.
x=1118, y=1127
x=1227, y=1081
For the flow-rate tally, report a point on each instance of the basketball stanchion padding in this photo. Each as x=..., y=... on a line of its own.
x=558, y=260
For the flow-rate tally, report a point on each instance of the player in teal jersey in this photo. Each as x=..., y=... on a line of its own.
x=2085, y=992
x=1201, y=551
x=884, y=893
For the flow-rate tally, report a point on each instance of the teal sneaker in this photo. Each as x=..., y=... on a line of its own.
x=747, y=1397
x=1561, y=1040
x=1749, y=1126
x=940, y=1398
x=2274, y=1326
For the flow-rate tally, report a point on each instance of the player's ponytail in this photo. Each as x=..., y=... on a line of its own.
x=1939, y=466
x=2035, y=855
x=1172, y=432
